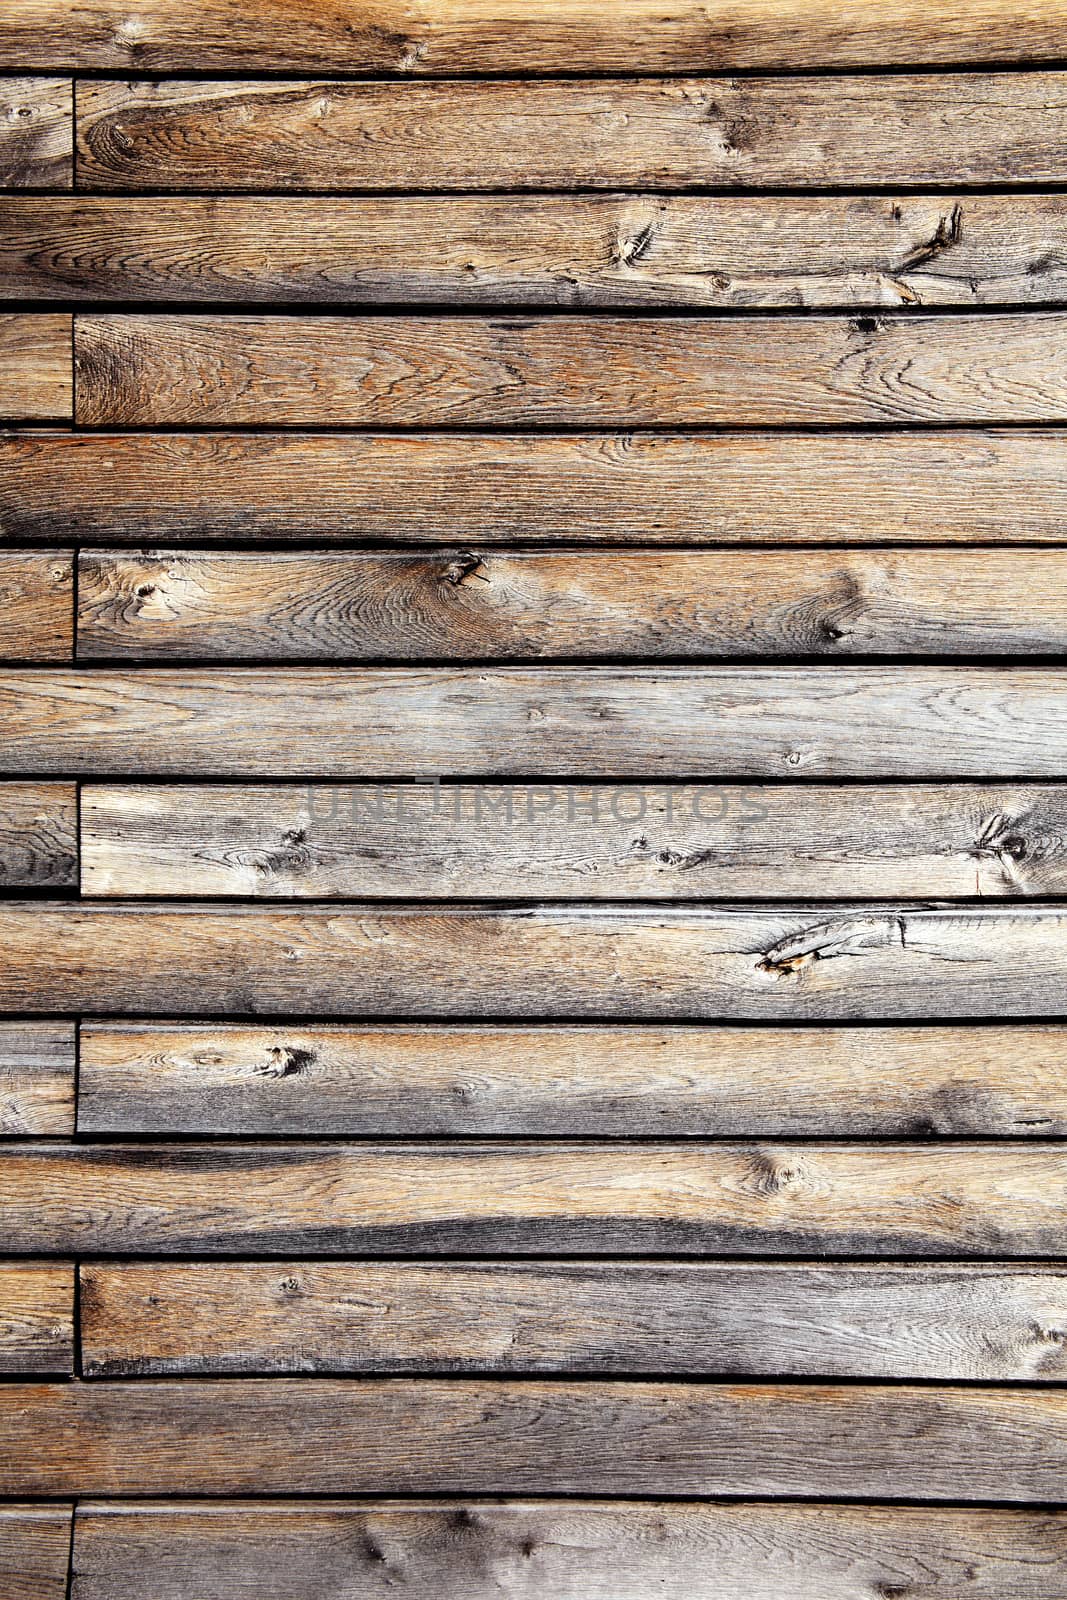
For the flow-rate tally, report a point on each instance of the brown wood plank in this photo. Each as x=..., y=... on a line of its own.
x=36, y=605
x=576, y=723
x=953, y=487
x=599, y=372
x=820, y=963
x=333, y=606
x=36, y=1319
x=596, y=843
x=667, y=134
x=624, y=1318
x=447, y=1080
x=978, y=1200
x=36, y=1078
x=552, y=250
x=442, y=37
x=541, y=1550
x=36, y=133
x=38, y=835
x=381, y=1436
x=34, y=1551
x=35, y=368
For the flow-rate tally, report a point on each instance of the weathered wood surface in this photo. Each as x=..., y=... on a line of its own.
x=818, y=963
x=36, y=133
x=381, y=1436
x=38, y=835
x=34, y=1551
x=443, y=37
x=35, y=368
x=960, y=129
x=552, y=250
x=809, y=1320
x=36, y=1078
x=333, y=606
x=979, y=1200
x=950, y=487
x=448, y=1080
x=595, y=843
x=595, y=372
x=36, y=1319
x=554, y=1551
x=36, y=605
x=611, y=723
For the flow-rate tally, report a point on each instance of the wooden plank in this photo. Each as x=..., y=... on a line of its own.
x=613, y=723
x=34, y=1551
x=443, y=37
x=330, y=606
x=500, y=1436
x=36, y=605
x=820, y=963
x=978, y=1200
x=598, y=372
x=38, y=835
x=626, y=1318
x=36, y=133
x=36, y=1319
x=483, y=841
x=953, y=487
x=540, y=1550
x=35, y=368
x=552, y=250
x=36, y=1078
x=449, y=1080
x=666, y=135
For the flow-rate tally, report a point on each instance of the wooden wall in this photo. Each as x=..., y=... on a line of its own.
x=533, y=800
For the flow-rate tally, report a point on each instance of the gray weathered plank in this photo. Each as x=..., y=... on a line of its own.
x=611, y=723
x=962, y=1200
x=952, y=487
x=507, y=1436
x=38, y=835
x=34, y=1551
x=36, y=605
x=36, y=1078
x=630, y=1317
x=544, y=1550
x=36, y=1319
x=582, y=372
x=36, y=133
x=449, y=1079
x=35, y=368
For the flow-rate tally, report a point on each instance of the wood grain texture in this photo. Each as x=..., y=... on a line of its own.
x=952, y=487
x=553, y=1551
x=442, y=37
x=671, y=134
x=381, y=1436
x=626, y=1318
x=552, y=250
x=38, y=835
x=817, y=963
x=449, y=1080
x=599, y=372
x=612, y=723
x=36, y=1319
x=595, y=843
x=36, y=605
x=992, y=1200
x=34, y=1551
x=35, y=368
x=328, y=606
x=36, y=133
x=36, y=1078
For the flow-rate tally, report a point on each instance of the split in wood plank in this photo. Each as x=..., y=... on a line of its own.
x=35, y=1543
x=450, y=1079
x=36, y=605
x=38, y=835
x=541, y=1550
x=983, y=486
x=509, y=1436
x=36, y=1078
x=627, y=1318
x=36, y=382
x=36, y=1319
x=36, y=133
